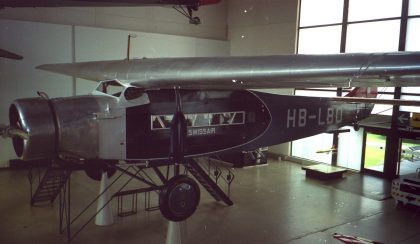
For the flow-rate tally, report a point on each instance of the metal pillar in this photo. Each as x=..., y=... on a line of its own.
x=104, y=216
x=174, y=233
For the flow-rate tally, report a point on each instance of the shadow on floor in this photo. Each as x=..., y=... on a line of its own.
x=363, y=185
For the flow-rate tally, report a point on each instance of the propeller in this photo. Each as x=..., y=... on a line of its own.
x=8, y=131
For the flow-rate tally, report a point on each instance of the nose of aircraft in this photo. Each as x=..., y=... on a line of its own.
x=31, y=128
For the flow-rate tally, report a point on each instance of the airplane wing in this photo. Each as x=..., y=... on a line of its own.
x=9, y=55
x=73, y=3
x=284, y=71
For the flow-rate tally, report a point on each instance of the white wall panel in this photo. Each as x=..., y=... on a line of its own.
x=263, y=27
x=350, y=149
x=263, y=40
x=39, y=44
x=211, y=48
x=146, y=19
x=302, y=149
x=246, y=13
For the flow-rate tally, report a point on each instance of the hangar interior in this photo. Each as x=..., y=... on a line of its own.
x=273, y=202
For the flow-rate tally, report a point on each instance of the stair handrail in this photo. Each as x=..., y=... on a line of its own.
x=225, y=173
x=31, y=177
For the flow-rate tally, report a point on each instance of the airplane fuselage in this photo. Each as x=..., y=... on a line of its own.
x=135, y=124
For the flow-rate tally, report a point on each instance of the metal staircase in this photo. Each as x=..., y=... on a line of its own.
x=50, y=185
x=201, y=176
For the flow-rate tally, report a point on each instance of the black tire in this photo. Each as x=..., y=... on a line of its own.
x=356, y=126
x=195, y=21
x=94, y=170
x=179, y=198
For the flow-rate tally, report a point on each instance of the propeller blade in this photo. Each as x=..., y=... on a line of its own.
x=7, y=131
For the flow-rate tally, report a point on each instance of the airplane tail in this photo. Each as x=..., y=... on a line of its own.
x=366, y=92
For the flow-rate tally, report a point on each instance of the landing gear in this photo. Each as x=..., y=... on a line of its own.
x=181, y=195
x=188, y=12
x=356, y=126
x=179, y=198
x=195, y=20
x=94, y=170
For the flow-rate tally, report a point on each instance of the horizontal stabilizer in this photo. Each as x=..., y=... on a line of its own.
x=284, y=71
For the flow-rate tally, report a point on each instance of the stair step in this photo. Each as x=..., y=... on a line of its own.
x=50, y=185
x=207, y=182
x=41, y=199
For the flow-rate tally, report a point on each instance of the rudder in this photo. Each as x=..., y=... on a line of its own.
x=368, y=92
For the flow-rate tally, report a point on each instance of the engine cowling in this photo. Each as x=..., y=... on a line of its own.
x=64, y=126
x=34, y=116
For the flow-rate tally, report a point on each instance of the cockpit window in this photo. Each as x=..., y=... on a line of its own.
x=132, y=93
x=111, y=87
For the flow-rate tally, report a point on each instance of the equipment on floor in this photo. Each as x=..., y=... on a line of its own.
x=354, y=239
x=324, y=171
x=245, y=158
x=406, y=189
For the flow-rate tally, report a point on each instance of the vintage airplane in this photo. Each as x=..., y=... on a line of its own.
x=176, y=109
x=185, y=7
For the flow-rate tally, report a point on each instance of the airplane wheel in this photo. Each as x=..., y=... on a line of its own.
x=179, y=198
x=356, y=126
x=94, y=170
x=195, y=21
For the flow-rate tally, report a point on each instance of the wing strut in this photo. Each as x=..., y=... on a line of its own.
x=188, y=12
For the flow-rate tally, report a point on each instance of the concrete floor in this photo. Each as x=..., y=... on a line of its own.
x=273, y=204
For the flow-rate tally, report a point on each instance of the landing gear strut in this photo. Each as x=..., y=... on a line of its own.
x=181, y=194
x=189, y=14
x=356, y=126
x=94, y=170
